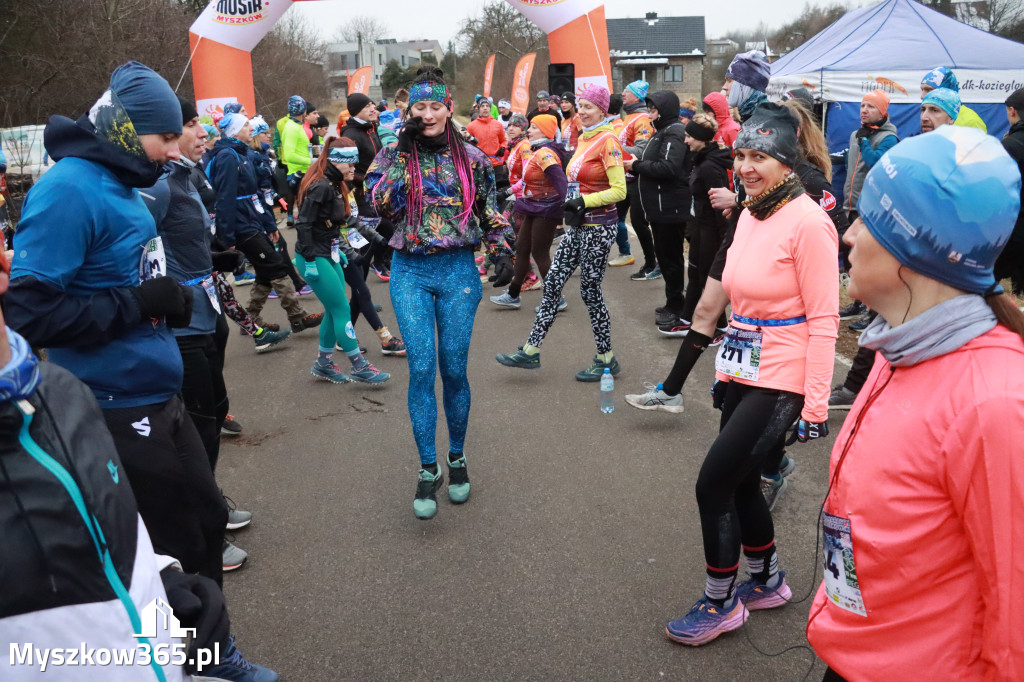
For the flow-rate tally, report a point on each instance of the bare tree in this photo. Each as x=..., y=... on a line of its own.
x=994, y=16
x=500, y=30
x=289, y=61
x=363, y=27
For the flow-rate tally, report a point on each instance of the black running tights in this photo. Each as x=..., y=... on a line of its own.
x=732, y=509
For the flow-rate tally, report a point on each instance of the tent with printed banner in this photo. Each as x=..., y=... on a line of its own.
x=891, y=46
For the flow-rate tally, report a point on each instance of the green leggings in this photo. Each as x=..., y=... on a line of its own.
x=329, y=287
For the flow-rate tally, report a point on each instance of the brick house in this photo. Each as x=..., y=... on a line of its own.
x=667, y=52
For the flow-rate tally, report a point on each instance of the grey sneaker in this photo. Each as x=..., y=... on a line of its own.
x=506, y=301
x=656, y=399
x=562, y=305
x=771, y=488
x=237, y=518
x=655, y=273
x=841, y=398
x=233, y=557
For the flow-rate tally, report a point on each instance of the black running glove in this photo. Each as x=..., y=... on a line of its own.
x=503, y=270
x=163, y=297
x=804, y=431
x=413, y=128
x=573, y=211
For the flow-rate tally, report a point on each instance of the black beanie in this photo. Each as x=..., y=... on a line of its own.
x=771, y=129
x=310, y=107
x=1016, y=100
x=356, y=102
x=188, y=110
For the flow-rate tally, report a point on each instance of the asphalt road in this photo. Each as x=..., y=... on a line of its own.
x=579, y=542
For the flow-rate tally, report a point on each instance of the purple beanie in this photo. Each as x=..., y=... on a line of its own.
x=597, y=95
x=750, y=69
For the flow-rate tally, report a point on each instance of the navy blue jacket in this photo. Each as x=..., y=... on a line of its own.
x=238, y=192
x=78, y=251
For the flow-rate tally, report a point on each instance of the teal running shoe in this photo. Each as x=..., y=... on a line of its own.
x=424, y=505
x=519, y=359
x=458, y=480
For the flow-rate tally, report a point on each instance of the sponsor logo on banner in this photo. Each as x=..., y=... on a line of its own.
x=521, y=83
x=540, y=3
x=977, y=86
x=209, y=107
x=240, y=11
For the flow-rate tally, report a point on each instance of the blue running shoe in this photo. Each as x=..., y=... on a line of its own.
x=234, y=668
x=458, y=480
x=369, y=375
x=757, y=596
x=329, y=372
x=244, y=279
x=424, y=505
x=562, y=305
x=705, y=622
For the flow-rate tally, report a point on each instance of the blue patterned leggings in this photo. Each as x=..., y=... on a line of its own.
x=436, y=292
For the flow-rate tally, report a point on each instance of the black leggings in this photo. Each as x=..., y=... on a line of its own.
x=732, y=509
x=535, y=237
x=705, y=240
x=355, y=277
x=668, y=245
x=638, y=219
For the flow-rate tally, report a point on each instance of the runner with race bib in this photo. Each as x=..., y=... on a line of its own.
x=774, y=369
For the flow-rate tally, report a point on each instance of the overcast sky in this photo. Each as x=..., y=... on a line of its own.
x=408, y=19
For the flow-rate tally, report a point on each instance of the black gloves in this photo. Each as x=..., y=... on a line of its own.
x=197, y=603
x=573, y=211
x=500, y=153
x=718, y=393
x=863, y=132
x=352, y=220
x=804, y=431
x=503, y=271
x=163, y=297
x=410, y=131
x=227, y=261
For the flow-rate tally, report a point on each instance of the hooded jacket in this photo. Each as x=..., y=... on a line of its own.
x=728, y=128
x=491, y=138
x=819, y=188
x=64, y=596
x=84, y=228
x=663, y=168
x=931, y=486
x=240, y=206
x=710, y=170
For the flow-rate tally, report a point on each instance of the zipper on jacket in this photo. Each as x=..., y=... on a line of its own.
x=93, y=526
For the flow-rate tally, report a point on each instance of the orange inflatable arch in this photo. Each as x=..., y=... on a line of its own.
x=222, y=38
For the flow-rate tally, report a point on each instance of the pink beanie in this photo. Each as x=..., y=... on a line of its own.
x=596, y=95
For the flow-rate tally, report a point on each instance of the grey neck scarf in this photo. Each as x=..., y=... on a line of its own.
x=937, y=331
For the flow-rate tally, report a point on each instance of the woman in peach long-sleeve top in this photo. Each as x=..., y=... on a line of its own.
x=774, y=369
x=923, y=538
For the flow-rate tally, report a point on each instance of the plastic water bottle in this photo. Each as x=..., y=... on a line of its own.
x=607, y=392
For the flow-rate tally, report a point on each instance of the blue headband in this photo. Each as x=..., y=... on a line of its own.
x=343, y=155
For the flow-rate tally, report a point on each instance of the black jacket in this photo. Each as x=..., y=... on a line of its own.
x=1011, y=259
x=663, y=169
x=321, y=214
x=818, y=188
x=367, y=142
x=710, y=170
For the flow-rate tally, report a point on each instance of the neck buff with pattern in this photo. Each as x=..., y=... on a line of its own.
x=772, y=199
x=434, y=91
x=113, y=124
x=20, y=377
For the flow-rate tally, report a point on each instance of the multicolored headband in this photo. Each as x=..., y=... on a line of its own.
x=343, y=155
x=430, y=92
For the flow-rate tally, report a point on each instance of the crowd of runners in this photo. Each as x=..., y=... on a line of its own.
x=125, y=265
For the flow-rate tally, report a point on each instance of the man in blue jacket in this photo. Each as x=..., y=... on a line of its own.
x=89, y=285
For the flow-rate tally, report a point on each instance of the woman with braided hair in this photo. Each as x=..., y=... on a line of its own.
x=439, y=192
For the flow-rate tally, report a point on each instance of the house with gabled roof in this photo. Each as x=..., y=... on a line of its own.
x=667, y=52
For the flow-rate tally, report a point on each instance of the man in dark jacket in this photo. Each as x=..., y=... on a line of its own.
x=662, y=172
x=89, y=285
x=241, y=224
x=1011, y=261
x=73, y=539
x=361, y=128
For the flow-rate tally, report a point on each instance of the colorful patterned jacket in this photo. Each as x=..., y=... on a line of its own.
x=440, y=229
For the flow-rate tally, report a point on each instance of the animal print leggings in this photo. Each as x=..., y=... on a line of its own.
x=585, y=247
